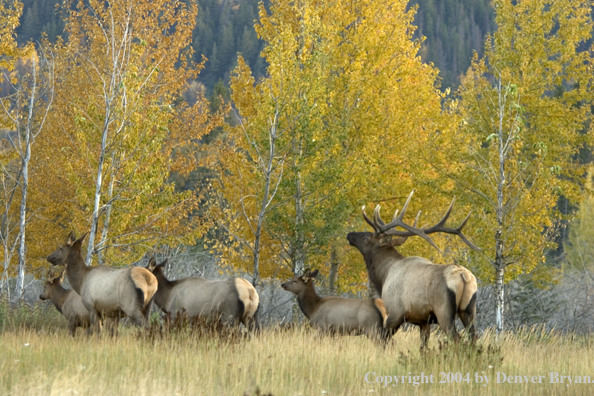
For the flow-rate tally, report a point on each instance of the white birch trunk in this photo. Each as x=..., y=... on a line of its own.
x=20, y=283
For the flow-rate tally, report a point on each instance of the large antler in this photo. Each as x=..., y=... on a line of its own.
x=398, y=221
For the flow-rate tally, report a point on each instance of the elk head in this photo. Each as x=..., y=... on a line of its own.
x=154, y=267
x=299, y=283
x=53, y=278
x=61, y=254
x=386, y=235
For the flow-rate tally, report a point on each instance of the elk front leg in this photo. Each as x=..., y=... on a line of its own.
x=425, y=330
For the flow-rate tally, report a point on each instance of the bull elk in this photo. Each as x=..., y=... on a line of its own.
x=414, y=289
x=68, y=302
x=231, y=300
x=106, y=291
x=337, y=314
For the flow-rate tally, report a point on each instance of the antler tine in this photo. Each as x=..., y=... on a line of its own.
x=377, y=220
x=398, y=222
x=416, y=218
x=368, y=220
x=447, y=214
x=466, y=241
x=395, y=215
x=401, y=217
x=439, y=227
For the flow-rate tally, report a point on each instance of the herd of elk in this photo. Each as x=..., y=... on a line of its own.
x=232, y=300
x=412, y=289
x=106, y=291
x=337, y=314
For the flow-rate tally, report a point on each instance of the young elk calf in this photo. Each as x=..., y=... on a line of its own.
x=345, y=315
x=68, y=302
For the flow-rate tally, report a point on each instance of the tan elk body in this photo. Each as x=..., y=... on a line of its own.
x=106, y=291
x=337, y=314
x=232, y=300
x=414, y=289
x=68, y=302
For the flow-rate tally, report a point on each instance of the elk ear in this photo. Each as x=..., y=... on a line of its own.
x=152, y=264
x=305, y=276
x=397, y=241
x=78, y=243
x=163, y=263
x=48, y=276
x=71, y=239
x=385, y=240
x=314, y=274
x=61, y=277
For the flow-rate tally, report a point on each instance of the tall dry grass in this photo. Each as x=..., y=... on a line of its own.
x=43, y=359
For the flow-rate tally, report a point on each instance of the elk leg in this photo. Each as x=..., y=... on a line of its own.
x=138, y=318
x=113, y=322
x=392, y=326
x=95, y=321
x=467, y=319
x=425, y=330
x=447, y=324
x=446, y=315
x=147, y=311
x=72, y=326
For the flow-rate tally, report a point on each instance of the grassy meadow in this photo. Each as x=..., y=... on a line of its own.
x=38, y=357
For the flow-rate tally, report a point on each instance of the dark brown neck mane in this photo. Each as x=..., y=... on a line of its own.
x=308, y=299
x=76, y=269
x=378, y=269
x=164, y=287
x=58, y=295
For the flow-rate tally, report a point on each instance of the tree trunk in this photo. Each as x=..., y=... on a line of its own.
x=299, y=248
x=265, y=198
x=500, y=211
x=499, y=286
x=105, y=231
x=18, y=292
x=24, y=189
x=333, y=270
x=98, y=186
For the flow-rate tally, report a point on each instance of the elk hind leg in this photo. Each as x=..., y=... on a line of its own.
x=446, y=315
x=468, y=316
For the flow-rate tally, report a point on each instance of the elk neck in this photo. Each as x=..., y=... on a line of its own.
x=164, y=287
x=76, y=270
x=58, y=296
x=379, y=263
x=308, y=299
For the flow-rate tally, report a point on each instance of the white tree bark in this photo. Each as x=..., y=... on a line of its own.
x=25, y=135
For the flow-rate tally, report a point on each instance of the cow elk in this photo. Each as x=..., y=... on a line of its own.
x=232, y=300
x=337, y=314
x=414, y=289
x=106, y=291
x=68, y=302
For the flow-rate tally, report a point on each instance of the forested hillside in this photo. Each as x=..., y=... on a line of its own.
x=453, y=30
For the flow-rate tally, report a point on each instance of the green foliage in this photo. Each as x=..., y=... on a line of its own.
x=40, y=16
x=517, y=144
x=453, y=30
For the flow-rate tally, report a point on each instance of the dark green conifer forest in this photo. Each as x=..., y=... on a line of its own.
x=453, y=29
